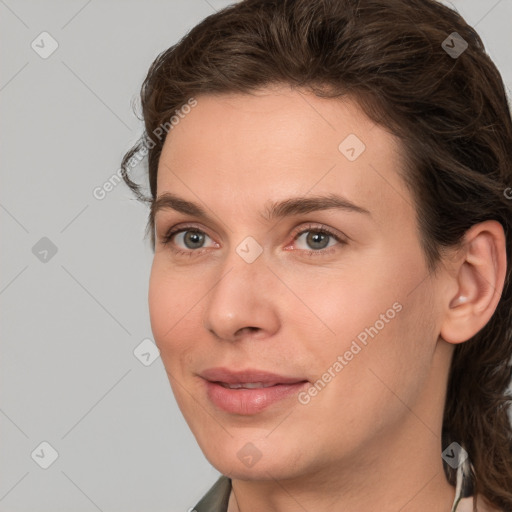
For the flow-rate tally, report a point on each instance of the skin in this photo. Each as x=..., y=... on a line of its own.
x=371, y=439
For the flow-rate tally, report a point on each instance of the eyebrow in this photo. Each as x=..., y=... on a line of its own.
x=288, y=207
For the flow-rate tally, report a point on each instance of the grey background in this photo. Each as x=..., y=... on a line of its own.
x=70, y=324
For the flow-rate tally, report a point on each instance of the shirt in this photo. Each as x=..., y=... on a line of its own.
x=217, y=498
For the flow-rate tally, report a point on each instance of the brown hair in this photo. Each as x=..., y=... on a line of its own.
x=451, y=115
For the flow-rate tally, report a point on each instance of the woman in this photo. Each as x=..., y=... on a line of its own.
x=331, y=222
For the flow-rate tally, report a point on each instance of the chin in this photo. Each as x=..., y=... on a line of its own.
x=259, y=460
x=261, y=471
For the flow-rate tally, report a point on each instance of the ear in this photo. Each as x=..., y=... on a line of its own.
x=478, y=278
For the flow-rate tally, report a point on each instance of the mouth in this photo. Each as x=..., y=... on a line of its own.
x=260, y=378
x=246, y=385
x=249, y=392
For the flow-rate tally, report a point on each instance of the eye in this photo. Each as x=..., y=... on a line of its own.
x=317, y=240
x=193, y=239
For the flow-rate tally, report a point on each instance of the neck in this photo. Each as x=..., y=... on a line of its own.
x=407, y=479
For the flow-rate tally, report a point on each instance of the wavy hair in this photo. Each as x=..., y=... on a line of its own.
x=451, y=115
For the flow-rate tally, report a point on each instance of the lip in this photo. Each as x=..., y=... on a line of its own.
x=249, y=401
x=228, y=376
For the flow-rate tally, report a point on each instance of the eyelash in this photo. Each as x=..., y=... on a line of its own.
x=310, y=253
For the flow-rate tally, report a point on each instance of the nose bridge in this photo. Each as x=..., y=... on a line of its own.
x=244, y=264
x=240, y=296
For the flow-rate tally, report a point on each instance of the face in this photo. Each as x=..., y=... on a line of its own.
x=327, y=304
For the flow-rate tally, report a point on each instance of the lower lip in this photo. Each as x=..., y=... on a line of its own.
x=250, y=401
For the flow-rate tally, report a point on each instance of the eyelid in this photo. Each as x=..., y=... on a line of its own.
x=340, y=237
x=179, y=228
x=319, y=227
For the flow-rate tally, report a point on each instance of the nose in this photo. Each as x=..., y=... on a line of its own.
x=243, y=302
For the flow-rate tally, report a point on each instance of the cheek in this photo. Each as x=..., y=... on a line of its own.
x=359, y=392
x=369, y=317
x=171, y=307
x=340, y=306
x=160, y=302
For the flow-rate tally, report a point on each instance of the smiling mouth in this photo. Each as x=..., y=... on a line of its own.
x=247, y=385
x=252, y=398
x=255, y=385
x=248, y=378
x=250, y=391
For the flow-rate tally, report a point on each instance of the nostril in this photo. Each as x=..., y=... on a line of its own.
x=250, y=329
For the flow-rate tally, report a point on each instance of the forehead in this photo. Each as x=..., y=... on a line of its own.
x=247, y=148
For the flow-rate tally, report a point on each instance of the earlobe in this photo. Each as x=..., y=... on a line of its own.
x=479, y=277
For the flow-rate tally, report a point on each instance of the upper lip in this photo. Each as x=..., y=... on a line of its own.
x=245, y=376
